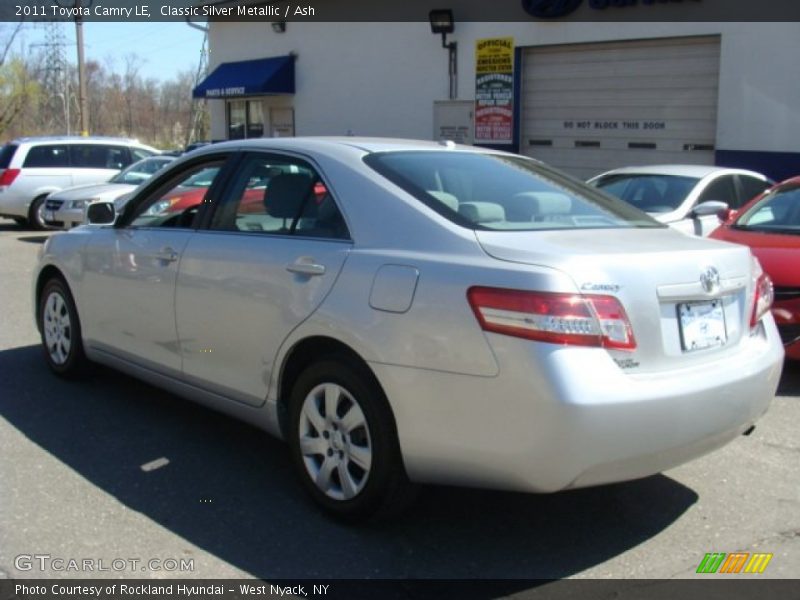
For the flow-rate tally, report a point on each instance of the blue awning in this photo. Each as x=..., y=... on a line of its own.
x=257, y=77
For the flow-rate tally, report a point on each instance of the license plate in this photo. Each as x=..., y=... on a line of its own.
x=49, y=215
x=702, y=325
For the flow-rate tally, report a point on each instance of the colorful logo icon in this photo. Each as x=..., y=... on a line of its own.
x=734, y=563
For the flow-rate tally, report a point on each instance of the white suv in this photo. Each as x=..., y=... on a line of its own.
x=33, y=167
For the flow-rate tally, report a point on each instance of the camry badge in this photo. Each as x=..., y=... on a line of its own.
x=709, y=279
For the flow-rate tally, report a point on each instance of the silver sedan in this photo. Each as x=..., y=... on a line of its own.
x=408, y=312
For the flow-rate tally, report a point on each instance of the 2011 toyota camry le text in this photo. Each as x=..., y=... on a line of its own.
x=408, y=312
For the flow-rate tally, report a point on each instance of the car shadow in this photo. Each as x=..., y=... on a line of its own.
x=790, y=379
x=229, y=489
x=33, y=239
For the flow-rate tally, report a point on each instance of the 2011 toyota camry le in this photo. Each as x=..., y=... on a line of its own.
x=408, y=312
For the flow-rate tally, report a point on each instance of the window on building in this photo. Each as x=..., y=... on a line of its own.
x=245, y=119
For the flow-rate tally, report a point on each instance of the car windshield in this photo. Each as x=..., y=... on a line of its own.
x=503, y=192
x=139, y=171
x=777, y=212
x=648, y=192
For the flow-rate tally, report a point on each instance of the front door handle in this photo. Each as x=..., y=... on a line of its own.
x=306, y=265
x=167, y=255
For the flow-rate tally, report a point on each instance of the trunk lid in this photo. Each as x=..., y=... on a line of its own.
x=658, y=275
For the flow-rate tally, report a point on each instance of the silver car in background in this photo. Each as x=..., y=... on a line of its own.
x=408, y=312
x=689, y=198
x=66, y=209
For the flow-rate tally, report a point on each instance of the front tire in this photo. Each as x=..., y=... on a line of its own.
x=61, y=331
x=344, y=444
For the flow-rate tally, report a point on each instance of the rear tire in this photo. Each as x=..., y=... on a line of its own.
x=61, y=331
x=36, y=214
x=344, y=443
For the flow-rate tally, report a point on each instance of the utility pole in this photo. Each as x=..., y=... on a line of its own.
x=83, y=101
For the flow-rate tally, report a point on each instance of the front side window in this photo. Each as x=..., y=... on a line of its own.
x=498, y=192
x=178, y=201
x=47, y=155
x=721, y=189
x=279, y=195
x=648, y=192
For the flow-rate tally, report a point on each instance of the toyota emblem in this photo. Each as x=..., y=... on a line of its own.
x=709, y=279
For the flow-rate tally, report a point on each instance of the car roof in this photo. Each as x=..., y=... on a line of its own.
x=75, y=139
x=698, y=171
x=323, y=143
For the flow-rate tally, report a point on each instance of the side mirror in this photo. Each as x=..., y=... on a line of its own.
x=709, y=207
x=101, y=213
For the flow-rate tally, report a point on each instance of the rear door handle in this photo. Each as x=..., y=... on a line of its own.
x=305, y=265
x=167, y=255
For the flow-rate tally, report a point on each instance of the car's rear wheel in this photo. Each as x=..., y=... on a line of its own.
x=344, y=442
x=36, y=214
x=61, y=330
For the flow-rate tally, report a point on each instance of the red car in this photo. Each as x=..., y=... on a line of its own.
x=770, y=225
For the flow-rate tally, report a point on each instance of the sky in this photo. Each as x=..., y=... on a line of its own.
x=163, y=48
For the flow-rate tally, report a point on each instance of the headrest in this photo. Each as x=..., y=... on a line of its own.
x=445, y=198
x=482, y=212
x=546, y=204
x=285, y=193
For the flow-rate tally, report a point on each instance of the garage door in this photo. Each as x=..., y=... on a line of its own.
x=587, y=108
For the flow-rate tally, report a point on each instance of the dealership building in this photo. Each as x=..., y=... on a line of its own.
x=584, y=96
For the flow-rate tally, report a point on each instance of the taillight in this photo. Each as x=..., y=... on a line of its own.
x=8, y=176
x=575, y=319
x=764, y=295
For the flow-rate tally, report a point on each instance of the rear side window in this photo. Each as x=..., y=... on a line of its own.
x=500, y=192
x=47, y=155
x=91, y=156
x=6, y=154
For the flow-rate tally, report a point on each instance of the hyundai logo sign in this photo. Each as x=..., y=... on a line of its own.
x=554, y=9
x=550, y=9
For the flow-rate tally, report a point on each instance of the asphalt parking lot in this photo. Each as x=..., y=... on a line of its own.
x=222, y=494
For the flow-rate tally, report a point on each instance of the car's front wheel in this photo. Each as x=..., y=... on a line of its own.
x=344, y=442
x=61, y=330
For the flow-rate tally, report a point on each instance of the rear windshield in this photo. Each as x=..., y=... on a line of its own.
x=6, y=154
x=651, y=193
x=498, y=192
x=777, y=212
x=139, y=171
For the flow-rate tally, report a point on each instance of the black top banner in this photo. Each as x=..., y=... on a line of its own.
x=400, y=10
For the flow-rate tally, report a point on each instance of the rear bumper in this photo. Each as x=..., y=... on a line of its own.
x=562, y=417
x=13, y=205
